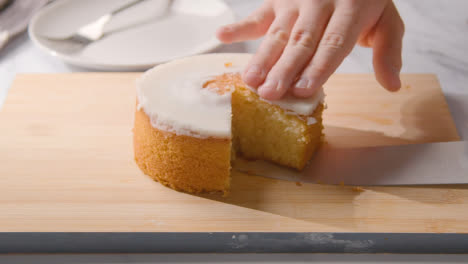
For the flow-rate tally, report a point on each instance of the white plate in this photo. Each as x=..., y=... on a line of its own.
x=188, y=30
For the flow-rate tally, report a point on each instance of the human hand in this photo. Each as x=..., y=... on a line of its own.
x=306, y=40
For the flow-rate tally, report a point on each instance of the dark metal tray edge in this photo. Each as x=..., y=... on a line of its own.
x=228, y=242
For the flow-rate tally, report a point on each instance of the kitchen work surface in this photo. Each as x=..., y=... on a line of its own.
x=69, y=183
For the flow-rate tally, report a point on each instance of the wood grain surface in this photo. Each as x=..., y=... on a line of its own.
x=66, y=164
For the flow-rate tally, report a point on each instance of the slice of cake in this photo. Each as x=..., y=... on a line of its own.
x=194, y=114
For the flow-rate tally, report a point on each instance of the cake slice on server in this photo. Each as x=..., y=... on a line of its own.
x=195, y=114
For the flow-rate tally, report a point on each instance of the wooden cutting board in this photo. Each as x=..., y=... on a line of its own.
x=66, y=164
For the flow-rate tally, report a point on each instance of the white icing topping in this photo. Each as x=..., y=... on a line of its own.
x=301, y=106
x=172, y=95
x=297, y=106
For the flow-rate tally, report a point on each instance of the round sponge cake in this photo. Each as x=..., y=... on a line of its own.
x=195, y=114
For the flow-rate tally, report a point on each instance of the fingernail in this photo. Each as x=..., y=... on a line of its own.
x=303, y=83
x=279, y=86
x=269, y=85
x=253, y=74
x=304, y=87
x=396, y=82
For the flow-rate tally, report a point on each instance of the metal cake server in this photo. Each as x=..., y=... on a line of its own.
x=418, y=164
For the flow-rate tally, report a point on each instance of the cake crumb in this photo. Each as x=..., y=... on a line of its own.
x=298, y=183
x=319, y=182
x=228, y=64
x=358, y=189
x=407, y=87
x=341, y=183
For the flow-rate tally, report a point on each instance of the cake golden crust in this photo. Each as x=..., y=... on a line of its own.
x=181, y=162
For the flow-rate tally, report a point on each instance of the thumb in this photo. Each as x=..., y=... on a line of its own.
x=252, y=27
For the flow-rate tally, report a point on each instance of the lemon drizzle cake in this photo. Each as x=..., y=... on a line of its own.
x=195, y=114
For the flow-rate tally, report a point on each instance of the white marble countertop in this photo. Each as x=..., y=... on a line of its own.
x=435, y=42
